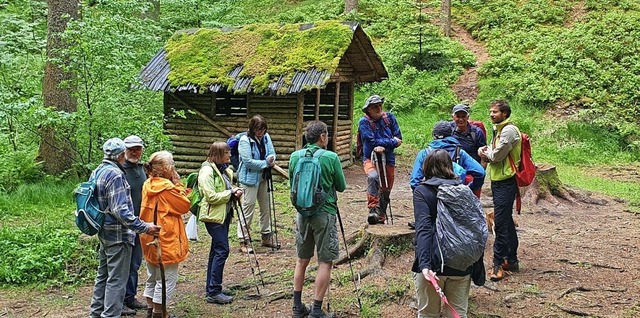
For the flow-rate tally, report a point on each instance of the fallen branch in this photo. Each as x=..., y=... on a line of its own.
x=588, y=289
x=572, y=311
x=564, y=260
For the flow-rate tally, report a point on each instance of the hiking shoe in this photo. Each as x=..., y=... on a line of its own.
x=321, y=314
x=300, y=312
x=497, y=273
x=135, y=304
x=372, y=218
x=126, y=311
x=511, y=266
x=220, y=299
x=267, y=240
x=382, y=218
x=245, y=248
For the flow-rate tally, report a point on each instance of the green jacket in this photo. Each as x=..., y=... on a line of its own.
x=506, y=141
x=214, y=193
x=332, y=176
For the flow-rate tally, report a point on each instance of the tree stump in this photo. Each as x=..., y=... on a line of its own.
x=547, y=187
x=376, y=243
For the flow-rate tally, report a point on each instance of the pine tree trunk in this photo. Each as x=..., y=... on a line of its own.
x=350, y=5
x=56, y=151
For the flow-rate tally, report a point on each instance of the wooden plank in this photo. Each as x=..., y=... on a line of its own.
x=335, y=116
x=317, y=111
x=299, y=121
x=205, y=117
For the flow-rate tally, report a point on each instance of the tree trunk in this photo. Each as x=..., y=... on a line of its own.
x=548, y=188
x=56, y=151
x=350, y=5
x=446, y=17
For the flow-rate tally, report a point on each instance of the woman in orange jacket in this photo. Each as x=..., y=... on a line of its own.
x=164, y=202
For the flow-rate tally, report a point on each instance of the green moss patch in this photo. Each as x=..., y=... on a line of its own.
x=266, y=52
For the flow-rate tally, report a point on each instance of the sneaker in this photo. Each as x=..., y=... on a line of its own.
x=126, y=311
x=497, y=273
x=511, y=266
x=267, y=240
x=300, y=312
x=321, y=314
x=135, y=304
x=220, y=299
x=245, y=248
x=373, y=216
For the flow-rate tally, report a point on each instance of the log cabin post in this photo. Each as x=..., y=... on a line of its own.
x=299, y=120
x=336, y=108
x=317, y=112
x=351, y=117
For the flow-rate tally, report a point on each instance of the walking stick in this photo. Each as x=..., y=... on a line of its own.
x=156, y=242
x=353, y=276
x=244, y=237
x=387, y=195
x=383, y=195
x=272, y=208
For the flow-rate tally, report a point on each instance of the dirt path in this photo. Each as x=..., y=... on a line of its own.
x=466, y=88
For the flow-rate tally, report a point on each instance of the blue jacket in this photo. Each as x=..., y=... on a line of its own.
x=470, y=141
x=380, y=135
x=449, y=144
x=251, y=166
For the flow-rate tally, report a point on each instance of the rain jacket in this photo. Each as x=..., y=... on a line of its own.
x=251, y=165
x=214, y=192
x=172, y=203
x=449, y=144
x=506, y=140
x=380, y=134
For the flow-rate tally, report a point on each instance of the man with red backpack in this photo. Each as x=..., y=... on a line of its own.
x=379, y=134
x=471, y=135
x=506, y=143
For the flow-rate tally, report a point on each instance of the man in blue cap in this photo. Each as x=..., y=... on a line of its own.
x=380, y=134
x=117, y=233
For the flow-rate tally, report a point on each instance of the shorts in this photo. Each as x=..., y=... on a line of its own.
x=320, y=232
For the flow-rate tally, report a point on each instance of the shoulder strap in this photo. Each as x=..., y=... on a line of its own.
x=457, y=158
x=386, y=119
x=318, y=153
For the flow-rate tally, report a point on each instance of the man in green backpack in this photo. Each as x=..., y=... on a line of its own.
x=317, y=231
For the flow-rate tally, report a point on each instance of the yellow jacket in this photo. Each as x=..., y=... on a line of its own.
x=506, y=141
x=172, y=203
x=214, y=193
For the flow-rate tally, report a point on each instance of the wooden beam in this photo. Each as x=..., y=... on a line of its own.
x=366, y=56
x=336, y=108
x=299, y=121
x=203, y=116
x=317, y=104
x=350, y=115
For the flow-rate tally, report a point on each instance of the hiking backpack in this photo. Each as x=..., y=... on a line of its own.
x=307, y=195
x=480, y=125
x=359, y=145
x=233, y=142
x=526, y=171
x=193, y=193
x=461, y=229
x=89, y=217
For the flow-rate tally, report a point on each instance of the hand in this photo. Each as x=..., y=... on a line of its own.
x=271, y=160
x=398, y=140
x=378, y=149
x=427, y=273
x=237, y=193
x=482, y=152
x=175, y=179
x=153, y=229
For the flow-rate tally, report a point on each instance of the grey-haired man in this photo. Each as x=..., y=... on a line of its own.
x=117, y=233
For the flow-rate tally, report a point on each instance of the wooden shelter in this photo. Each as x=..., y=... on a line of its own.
x=215, y=80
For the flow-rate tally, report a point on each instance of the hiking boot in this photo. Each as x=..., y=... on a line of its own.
x=149, y=313
x=321, y=314
x=220, y=299
x=245, y=248
x=412, y=225
x=126, y=311
x=497, y=273
x=511, y=266
x=135, y=304
x=300, y=312
x=382, y=218
x=373, y=216
x=267, y=240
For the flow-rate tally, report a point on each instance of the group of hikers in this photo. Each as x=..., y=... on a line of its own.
x=145, y=205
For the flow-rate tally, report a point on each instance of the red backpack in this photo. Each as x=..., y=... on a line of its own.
x=480, y=125
x=526, y=171
x=359, y=145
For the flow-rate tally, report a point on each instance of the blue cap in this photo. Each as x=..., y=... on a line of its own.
x=113, y=148
x=460, y=108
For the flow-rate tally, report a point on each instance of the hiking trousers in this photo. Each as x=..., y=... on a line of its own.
x=218, y=254
x=111, y=280
x=374, y=191
x=136, y=260
x=250, y=196
x=429, y=304
x=505, y=245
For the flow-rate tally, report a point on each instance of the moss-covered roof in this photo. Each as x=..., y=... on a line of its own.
x=265, y=52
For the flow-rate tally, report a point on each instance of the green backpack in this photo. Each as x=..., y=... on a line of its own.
x=194, y=195
x=307, y=195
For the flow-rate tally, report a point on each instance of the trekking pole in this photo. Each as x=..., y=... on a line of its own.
x=156, y=242
x=353, y=276
x=272, y=208
x=245, y=237
x=386, y=183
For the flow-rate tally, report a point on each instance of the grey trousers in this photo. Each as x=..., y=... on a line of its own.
x=111, y=280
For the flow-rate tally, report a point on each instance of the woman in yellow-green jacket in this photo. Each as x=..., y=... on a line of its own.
x=217, y=192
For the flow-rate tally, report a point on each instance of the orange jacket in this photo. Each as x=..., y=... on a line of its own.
x=172, y=204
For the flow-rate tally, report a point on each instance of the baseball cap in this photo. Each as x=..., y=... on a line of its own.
x=442, y=129
x=133, y=141
x=373, y=99
x=460, y=108
x=113, y=147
